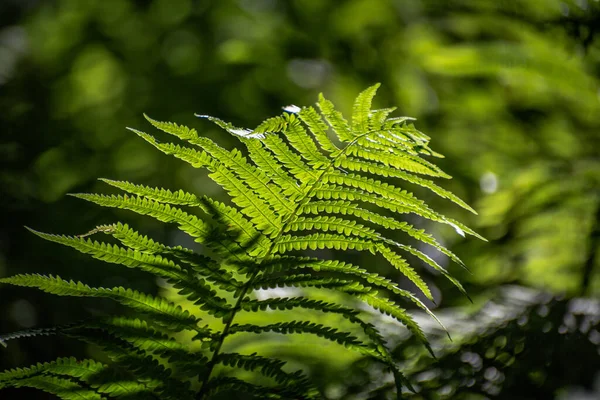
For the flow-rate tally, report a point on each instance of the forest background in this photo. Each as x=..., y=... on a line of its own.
x=507, y=90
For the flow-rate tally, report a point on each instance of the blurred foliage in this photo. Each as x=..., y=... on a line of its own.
x=508, y=91
x=512, y=347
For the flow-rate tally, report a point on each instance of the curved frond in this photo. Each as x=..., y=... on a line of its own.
x=188, y=223
x=271, y=368
x=161, y=195
x=61, y=387
x=194, y=288
x=361, y=112
x=345, y=339
x=318, y=128
x=162, y=311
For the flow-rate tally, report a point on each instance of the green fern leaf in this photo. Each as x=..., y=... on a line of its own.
x=335, y=119
x=271, y=368
x=61, y=387
x=318, y=128
x=361, y=113
x=296, y=190
x=164, y=312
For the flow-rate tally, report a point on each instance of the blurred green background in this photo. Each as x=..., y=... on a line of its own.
x=508, y=90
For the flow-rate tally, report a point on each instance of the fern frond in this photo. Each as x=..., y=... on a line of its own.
x=354, y=164
x=152, y=263
x=401, y=315
x=349, y=208
x=194, y=288
x=347, y=272
x=361, y=112
x=251, y=205
x=232, y=384
x=297, y=189
x=28, y=333
x=379, y=117
x=161, y=195
x=347, y=340
x=400, y=161
x=335, y=119
x=267, y=163
x=162, y=311
x=321, y=241
x=188, y=223
x=271, y=368
x=288, y=303
x=68, y=366
x=197, y=159
x=234, y=222
x=188, y=259
x=303, y=142
x=145, y=368
x=61, y=387
x=332, y=224
x=139, y=334
x=243, y=230
x=432, y=263
x=289, y=159
x=254, y=178
x=90, y=372
x=326, y=192
x=318, y=128
x=305, y=280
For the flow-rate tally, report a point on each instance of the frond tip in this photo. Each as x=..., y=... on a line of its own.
x=308, y=180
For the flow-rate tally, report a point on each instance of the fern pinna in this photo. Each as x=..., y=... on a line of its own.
x=310, y=181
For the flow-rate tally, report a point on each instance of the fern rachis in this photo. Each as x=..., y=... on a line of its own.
x=297, y=190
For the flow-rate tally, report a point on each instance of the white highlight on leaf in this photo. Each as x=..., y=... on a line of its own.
x=399, y=120
x=247, y=133
x=292, y=109
x=457, y=229
x=240, y=132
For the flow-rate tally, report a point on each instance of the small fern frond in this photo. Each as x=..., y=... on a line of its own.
x=303, y=327
x=28, y=333
x=289, y=159
x=165, y=313
x=318, y=128
x=146, y=369
x=265, y=161
x=304, y=143
x=361, y=112
x=139, y=334
x=196, y=289
x=88, y=372
x=196, y=159
x=357, y=165
x=349, y=273
x=273, y=369
x=62, y=387
x=188, y=260
x=335, y=119
x=84, y=369
x=188, y=223
x=235, y=385
x=348, y=208
x=179, y=197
